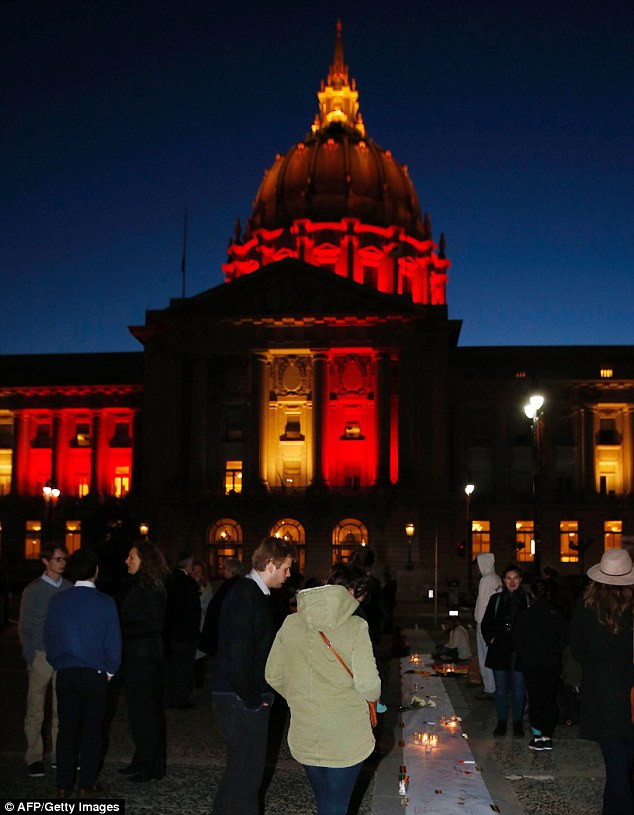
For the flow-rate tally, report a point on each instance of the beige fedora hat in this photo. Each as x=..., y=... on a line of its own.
x=615, y=568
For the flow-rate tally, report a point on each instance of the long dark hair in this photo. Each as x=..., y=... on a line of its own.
x=608, y=602
x=153, y=569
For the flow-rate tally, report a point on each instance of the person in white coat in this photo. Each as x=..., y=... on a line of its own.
x=490, y=583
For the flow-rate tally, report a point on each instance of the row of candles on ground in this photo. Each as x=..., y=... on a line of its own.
x=429, y=740
x=419, y=662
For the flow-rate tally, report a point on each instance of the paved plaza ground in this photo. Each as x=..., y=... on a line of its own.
x=568, y=781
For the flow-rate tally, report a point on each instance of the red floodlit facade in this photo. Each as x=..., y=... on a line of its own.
x=79, y=451
x=385, y=258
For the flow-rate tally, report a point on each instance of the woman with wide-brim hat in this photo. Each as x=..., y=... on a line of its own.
x=602, y=643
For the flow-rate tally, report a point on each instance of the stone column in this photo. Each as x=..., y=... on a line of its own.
x=17, y=456
x=383, y=417
x=95, y=462
x=255, y=474
x=137, y=451
x=320, y=391
x=263, y=377
x=587, y=457
x=56, y=453
x=628, y=449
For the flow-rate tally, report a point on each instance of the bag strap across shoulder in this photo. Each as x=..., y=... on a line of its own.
x=330, y=645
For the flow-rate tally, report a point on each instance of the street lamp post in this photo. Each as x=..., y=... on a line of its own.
x=51, y=494
x=469, y=488
x=533, y=411
x=409, y=531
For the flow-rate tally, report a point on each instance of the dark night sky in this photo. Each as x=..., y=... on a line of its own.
x=516, y=120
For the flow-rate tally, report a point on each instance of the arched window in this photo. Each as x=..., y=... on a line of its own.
x=347, y=536
x=224, y=540
x=292, y=531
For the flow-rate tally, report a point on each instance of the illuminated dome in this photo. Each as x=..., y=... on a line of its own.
x=338, y=200
x=336, y=173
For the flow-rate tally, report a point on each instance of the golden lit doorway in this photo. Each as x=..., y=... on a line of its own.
x=224, y=540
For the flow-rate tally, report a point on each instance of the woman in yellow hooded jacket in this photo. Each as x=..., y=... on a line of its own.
x=330, y=732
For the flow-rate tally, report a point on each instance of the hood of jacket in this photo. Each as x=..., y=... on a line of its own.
x=325, y=607
x=486, y=563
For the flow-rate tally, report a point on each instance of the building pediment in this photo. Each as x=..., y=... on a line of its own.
x=288, y=288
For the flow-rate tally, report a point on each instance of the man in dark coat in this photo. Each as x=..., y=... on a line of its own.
x=241, y=696
x=182, y=621
x=231, y=570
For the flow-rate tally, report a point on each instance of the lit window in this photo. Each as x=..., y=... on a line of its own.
x=82, y=435
x=293, y=532
x=607, y=373
x=524, y=541
x=33, y=540
x=73, y=536
x=291, y=474
x=121, y=484
x=233, y=477
x=480, y=537
x=352, y=431
x=348, y=536
x=83, y=486
x=293, y=428
x=612, y=534
x=225, y=541
x=520, y=375
x=569, y=541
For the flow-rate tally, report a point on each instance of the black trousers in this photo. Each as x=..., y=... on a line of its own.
x=180, y=672
x=246, y=735
x=143, y=686
x=541, y=687
x=81, y=701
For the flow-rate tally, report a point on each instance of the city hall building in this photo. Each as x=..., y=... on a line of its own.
x=320, y=394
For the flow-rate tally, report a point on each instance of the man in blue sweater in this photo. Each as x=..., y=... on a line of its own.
x=82, y=638
x=35, y=599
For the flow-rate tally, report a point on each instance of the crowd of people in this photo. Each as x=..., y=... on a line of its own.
x=524, y=639
x=317, y=651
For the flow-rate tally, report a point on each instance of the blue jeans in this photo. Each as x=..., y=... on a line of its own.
x=618, y=756
x=513, y=682
x=332, y=787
